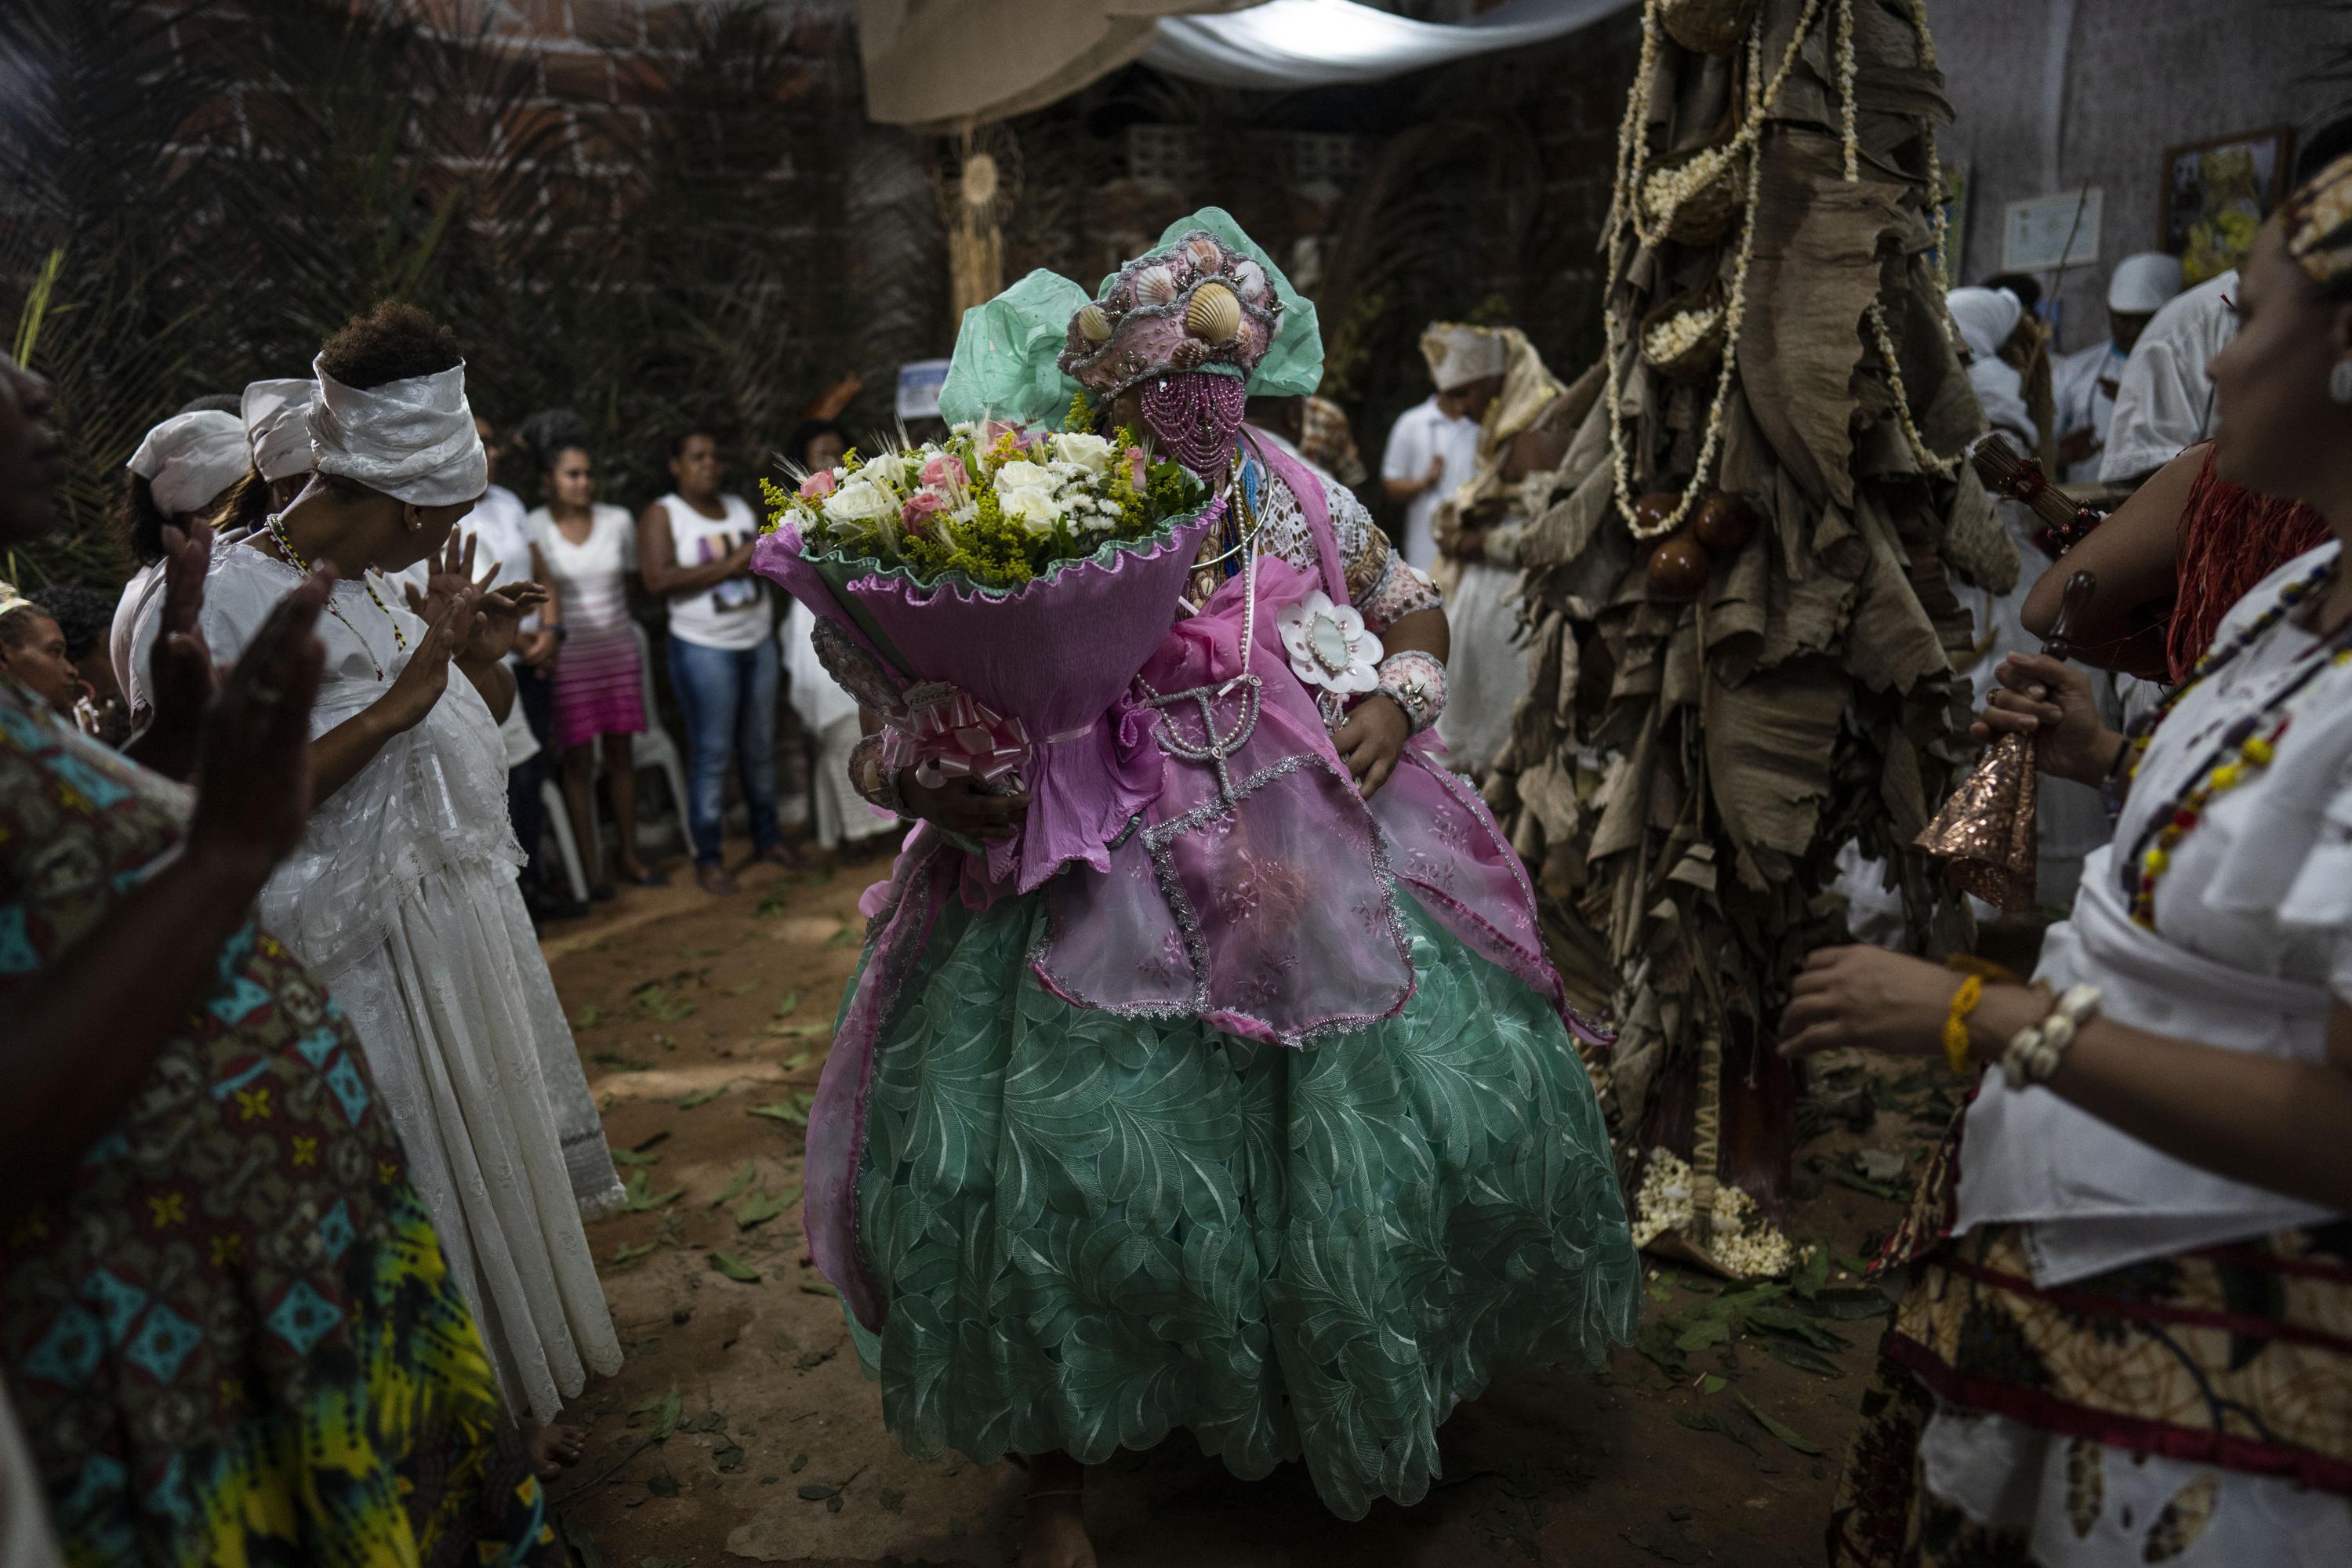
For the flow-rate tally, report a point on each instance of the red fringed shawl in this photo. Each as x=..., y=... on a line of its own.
x=2229, y=539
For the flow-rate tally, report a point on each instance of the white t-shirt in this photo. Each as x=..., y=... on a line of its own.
x=2163, y=401
x=592, y=578
x=2078, y=387
x=1421, y=433
x=733, y=614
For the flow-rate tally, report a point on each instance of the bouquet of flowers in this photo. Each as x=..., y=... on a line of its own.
x=993, y=506
x=991, y=598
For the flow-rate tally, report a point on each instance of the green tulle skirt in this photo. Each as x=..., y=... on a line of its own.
x=1092, y=1230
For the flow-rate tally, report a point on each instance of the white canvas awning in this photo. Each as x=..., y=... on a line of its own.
x=939, y=64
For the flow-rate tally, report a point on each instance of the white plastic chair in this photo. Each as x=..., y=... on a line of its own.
x=653, y=749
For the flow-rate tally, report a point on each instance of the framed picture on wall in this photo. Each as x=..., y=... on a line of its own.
x=2216, y=194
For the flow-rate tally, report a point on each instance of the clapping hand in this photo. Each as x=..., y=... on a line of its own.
x=496, y=616
x=179, y=667
x=253, y=776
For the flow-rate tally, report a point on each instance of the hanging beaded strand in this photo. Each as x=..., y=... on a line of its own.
x=1195, y=415
x=295, y=557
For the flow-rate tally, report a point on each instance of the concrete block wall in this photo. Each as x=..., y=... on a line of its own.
x=2051, y=95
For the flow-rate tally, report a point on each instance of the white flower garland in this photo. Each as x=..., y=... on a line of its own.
x=1636, y=189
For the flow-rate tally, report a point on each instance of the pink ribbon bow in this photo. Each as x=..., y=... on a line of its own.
x=945, y=733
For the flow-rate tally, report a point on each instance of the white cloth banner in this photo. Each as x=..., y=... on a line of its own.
x=1286, y=44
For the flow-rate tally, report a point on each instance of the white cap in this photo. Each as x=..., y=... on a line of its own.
x=191, y=460
x=2142, y=283
x=1458, y=355
x=278, y=426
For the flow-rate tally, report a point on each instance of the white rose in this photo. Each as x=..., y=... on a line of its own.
x=1019, y=477
x=1090, y=453
x=1033, y=509
x=859, y=503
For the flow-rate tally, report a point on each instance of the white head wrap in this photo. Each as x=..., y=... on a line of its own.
x=1986, y=317
x=277, y=427
x=190, y=459
x=414, y=440
x=2142, y=283
x=1458, y=355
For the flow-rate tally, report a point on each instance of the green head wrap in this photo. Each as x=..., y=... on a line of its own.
x=1009, y=356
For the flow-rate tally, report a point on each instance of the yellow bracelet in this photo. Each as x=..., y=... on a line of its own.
x=1955, y=1025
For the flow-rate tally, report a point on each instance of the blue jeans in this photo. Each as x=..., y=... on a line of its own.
x=729, y=699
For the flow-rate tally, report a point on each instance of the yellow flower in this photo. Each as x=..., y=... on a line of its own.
x=306, y=1151
x=226, y=1247
x=253, y=1103
x=171, y=1208
x=386, y=1172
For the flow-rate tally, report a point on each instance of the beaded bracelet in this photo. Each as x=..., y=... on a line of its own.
x=2035, y=1051
x=1956, y=1021
x=1415, y=681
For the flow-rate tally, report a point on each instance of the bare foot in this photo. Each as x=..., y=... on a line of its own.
x=555, y=1448
x=1055, y=1533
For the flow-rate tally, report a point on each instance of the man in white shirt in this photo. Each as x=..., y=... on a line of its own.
x=1432, y=450
x=2086, y=381
x=2163, y=401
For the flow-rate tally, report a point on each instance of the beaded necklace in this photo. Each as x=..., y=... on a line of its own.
x=2245, y=749
x=276, y=527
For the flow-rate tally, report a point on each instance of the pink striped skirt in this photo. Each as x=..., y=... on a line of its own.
x=599, y=688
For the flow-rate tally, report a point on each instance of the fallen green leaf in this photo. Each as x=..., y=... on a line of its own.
x=1812, y=1273
x=627, y=1255
x=1845, y=1178
x=782, y=1110
x=842, y=937
x=664, y=1409
x=747, y=987
x=618, y=1062
x=662, y=1484
x=760, y=1208
x=729, y=1458
x=791, y=1003
x=1731, y=1426
x=589, y=1017
x=793, y=1063
x=1804, y=1357
x=641, y=1196
x=631, y=1157
x=800, y=1463
x=743, y=1178
x=1712, y=1383
x=1794, y=1440
x=817, y=1492
x=734, y=1267
x=817, y=1287
x=794, y=1031
x=703, y=1096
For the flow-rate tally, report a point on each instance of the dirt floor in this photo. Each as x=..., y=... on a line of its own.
x=742, y=1429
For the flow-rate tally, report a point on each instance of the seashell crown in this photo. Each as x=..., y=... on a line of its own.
x=1196, y=304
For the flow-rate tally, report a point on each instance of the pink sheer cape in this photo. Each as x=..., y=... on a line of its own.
x=1255, y=890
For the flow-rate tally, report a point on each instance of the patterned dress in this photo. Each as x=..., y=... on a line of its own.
x=234, y=1340
x=1093, y=1227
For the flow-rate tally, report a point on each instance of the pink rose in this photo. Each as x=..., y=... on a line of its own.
x=921, y=508
x=817, y=485
x=1135, y=471
x=942, y=470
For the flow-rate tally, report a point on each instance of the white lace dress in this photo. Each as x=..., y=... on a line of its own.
x=401, y=899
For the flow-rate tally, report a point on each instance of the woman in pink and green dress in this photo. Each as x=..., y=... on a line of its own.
x=1222, y=1084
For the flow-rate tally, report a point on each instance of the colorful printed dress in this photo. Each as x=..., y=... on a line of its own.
x=1084, y=1225
x=235, y=1339
x=2107, y=1357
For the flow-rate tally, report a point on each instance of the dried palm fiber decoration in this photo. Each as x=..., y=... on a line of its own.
x=1683, y=774
x=974, y=200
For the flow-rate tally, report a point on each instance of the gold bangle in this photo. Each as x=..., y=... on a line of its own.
x=1956, y=1023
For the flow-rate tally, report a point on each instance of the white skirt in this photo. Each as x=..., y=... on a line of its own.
x=1486, y=673
x=471, y=1051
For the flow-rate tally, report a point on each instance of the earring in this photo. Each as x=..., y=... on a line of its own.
x=2339, y=381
